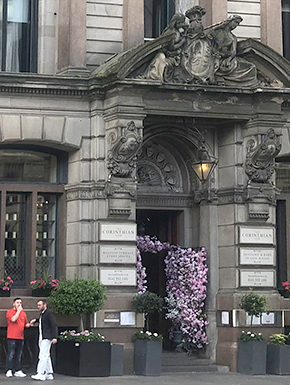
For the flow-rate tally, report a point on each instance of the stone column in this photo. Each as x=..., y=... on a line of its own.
x=271, y=24
x=72, y=38
x=133, y=23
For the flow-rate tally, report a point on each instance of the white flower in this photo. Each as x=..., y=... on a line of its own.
x=259, y=334
x=252, y=335
x=248, y=332
x=155, y=335
x=141, y=332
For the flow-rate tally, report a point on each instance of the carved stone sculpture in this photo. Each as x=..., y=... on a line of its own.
x=198, y=55
x=260, y=157
x=123, y=151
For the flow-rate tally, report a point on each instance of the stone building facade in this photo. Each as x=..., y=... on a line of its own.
x=93, y=144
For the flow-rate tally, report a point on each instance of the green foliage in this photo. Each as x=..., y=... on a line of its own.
x=148, y=303
x=254, y=304
x=77, y=296
x=85, y=336
x=250, y=336
x=147, y=336
x=277, y=339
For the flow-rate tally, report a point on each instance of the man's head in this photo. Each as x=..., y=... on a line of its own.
x=17, y=302
x=41, y=304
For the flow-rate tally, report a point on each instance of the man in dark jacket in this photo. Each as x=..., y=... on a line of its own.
x=47, y=336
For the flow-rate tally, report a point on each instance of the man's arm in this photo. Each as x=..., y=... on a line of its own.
x=16, y=315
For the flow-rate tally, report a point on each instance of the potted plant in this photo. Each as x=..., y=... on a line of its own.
x=147, y=353
x=252, y=349
x=148, y=345
x=285, y=290
x=278, y=355
x=86, y=353
x=42, y=287
x=5, y=286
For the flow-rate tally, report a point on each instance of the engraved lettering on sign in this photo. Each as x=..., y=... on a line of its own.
x=118, y=277
x=117, y=254
x=257, y=256
x=256, y=235
x=118, y=232
x=257, y=278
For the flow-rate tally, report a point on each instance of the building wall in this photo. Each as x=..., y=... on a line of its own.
x=250, y=10
x=104, y=30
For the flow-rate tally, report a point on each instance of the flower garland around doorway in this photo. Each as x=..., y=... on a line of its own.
x=186, y=274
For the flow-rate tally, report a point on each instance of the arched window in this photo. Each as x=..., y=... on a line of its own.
x=31, y=212
x=157, y=14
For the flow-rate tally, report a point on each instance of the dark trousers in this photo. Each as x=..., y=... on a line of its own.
x=14, y=354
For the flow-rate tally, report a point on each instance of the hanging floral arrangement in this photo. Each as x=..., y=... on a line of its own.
x=186, y=274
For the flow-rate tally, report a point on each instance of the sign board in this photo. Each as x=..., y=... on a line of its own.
x=118, y=277
x=257, y=278
x=118, y=232
x=118, y=254
x=256, y=235
x=257, y=256
x=128, y=318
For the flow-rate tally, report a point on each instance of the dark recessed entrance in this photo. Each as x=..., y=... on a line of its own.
x=163, y=225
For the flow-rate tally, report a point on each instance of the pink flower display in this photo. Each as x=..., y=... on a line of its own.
x=5, y=284
x=186, y=273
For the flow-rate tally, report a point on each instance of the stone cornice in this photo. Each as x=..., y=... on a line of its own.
x=164, y=201
x=37, y=84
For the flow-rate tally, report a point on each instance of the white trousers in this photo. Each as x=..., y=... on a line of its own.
x=44, y=364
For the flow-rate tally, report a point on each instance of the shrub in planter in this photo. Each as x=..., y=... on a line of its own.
x=85, y=353
x=278, y=355
x=78, y=296
x=5, y=286
x=252, y=349
x=42, y=287
x=147, y=303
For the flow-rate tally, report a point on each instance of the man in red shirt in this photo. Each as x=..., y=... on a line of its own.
x=16, y=322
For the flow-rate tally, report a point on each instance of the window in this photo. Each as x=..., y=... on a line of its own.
x=18, y=35
x=157, y=14
x=286, y=28
x=31, y=212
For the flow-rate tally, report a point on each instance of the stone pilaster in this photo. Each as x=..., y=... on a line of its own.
x=72, y=38
x=133, y=23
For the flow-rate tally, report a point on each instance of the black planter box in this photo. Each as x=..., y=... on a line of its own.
x=5, y=293
x=83, y=359
x=252, y=357
x=147, y=358
x=278, y=359
x=41, y=293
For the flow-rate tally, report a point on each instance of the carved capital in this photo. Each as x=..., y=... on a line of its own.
x=123, y=150
x=206, y=196
x=260, y=156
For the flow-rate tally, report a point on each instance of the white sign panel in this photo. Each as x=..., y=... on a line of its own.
x=257, y=257
x=257, y=278
x=259, y=235
x=118, y=232
x=255, y=320
x=268, y=318
x=128, y=318
x=118, y=254
x=225, y=318
x=118, y=277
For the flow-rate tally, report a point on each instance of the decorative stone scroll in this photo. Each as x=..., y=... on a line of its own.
x=123, y=151
x=197, y=55
x=260, y=164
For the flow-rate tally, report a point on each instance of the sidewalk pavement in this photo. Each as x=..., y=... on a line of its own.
x=166, y=379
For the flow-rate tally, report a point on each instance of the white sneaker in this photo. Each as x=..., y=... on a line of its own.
x=9, y=373
x=49, y=376
x=39, y=377
x=19, y=373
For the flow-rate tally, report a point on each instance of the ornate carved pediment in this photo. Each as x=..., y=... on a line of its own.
x=123, y=151
x=188, y=53
x=260, y=157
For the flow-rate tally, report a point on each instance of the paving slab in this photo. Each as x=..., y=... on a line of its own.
x=165, y=379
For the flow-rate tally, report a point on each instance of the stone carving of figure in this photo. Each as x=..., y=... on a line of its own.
x=231, y=70
x=163, y=65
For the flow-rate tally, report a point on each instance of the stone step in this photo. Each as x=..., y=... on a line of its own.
x=168, y=361
x=195, y=368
